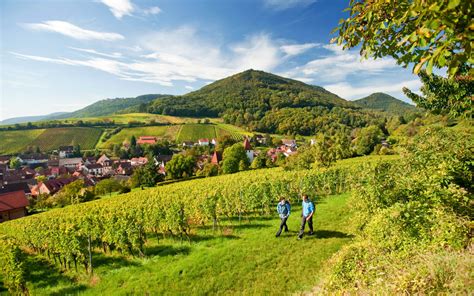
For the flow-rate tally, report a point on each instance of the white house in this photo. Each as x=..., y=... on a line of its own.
x=203, y=142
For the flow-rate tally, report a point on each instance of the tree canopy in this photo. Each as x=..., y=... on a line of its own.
x=428, y=33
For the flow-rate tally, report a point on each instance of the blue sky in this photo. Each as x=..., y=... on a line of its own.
x=63, y=55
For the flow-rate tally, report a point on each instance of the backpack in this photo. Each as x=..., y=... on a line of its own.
x=282, y=209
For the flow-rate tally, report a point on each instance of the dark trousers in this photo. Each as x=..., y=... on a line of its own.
x=282, y=225
x=303, y=224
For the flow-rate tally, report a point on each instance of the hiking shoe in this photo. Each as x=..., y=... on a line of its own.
x=310, y=233
x=300, y=237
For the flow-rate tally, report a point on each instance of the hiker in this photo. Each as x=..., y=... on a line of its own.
x=283, y=209
x=307, y=216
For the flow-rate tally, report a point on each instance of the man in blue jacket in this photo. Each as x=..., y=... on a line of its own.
x=283, y=209
x=307, y=216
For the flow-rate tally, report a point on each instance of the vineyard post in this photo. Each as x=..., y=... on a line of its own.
x=240, y=206
x=90, y=255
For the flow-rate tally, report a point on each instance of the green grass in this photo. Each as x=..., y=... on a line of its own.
x=127, y=133
x=243, y=259
x=194, y=132
x=17, y=141
x=52, y=138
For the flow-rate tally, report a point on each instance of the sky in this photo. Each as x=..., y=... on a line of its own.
x=64, y=55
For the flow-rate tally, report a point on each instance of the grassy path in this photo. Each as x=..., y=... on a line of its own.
x=237, y=259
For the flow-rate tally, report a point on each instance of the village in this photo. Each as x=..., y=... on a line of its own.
x=25, y=178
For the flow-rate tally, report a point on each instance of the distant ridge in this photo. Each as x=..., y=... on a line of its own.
x=25, y=119
x=110, y=106
x=384, y=102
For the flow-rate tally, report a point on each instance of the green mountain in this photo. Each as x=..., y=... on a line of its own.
x=387, y=103
x=111, y=106
x=254, y=92
x=265, y=102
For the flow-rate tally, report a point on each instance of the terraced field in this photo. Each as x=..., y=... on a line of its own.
x=17, y=141
x=52, y=138
x=125, y=134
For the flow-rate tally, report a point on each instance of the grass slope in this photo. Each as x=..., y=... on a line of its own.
x=52, y=138
x=126, y=133
x=237, y=259
x=194, y=132
x=17, y=141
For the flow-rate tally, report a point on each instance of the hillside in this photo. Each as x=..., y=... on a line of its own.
x=268, y=103
x=387, y=103
x=251, y=91
x=110, y=106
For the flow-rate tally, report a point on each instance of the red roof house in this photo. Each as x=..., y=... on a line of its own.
x=146, y=140
x=13, y=205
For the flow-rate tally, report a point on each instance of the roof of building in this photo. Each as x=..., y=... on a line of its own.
x=55, y=184
x=70, y=161
x=13, y=200
x=103, y=158
x=216, y=158
x=34, y=156
x=66, y=148
x=94, y=166
x=288, y=141
x=15, y=187
x=146, y=140
x=247, y=145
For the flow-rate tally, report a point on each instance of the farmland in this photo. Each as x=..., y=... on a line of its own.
x=193, y=132
x=126, y=133
x=175, y=265
x=52, y=138
x=123, y=119
x=88, y=137
x=16, y=141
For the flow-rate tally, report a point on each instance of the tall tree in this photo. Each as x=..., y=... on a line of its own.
x=453, y=97
x=428, y=33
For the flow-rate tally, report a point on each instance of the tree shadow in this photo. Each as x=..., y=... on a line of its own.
x=99, y=260
x=323, y=234
x=218, y=235
x=69, y=291
x=242, y=225
x=163, y=251
x=42, y=275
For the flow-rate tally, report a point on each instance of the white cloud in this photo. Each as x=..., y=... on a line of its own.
x=119, y=8
x=296, y=49
x=92, y=51
x=347, y=91
x=152, y=10
x=73, y=31
x=337, y=65
x=189, y=87
x=286, y=4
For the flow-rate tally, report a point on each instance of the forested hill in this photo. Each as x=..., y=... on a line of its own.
x=111, y=106
x=266, y=102
x=253, y=92
x=387, y=103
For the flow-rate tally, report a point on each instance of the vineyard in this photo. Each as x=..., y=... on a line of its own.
x=69, y=237
x=52, y=138
x=15, y=141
